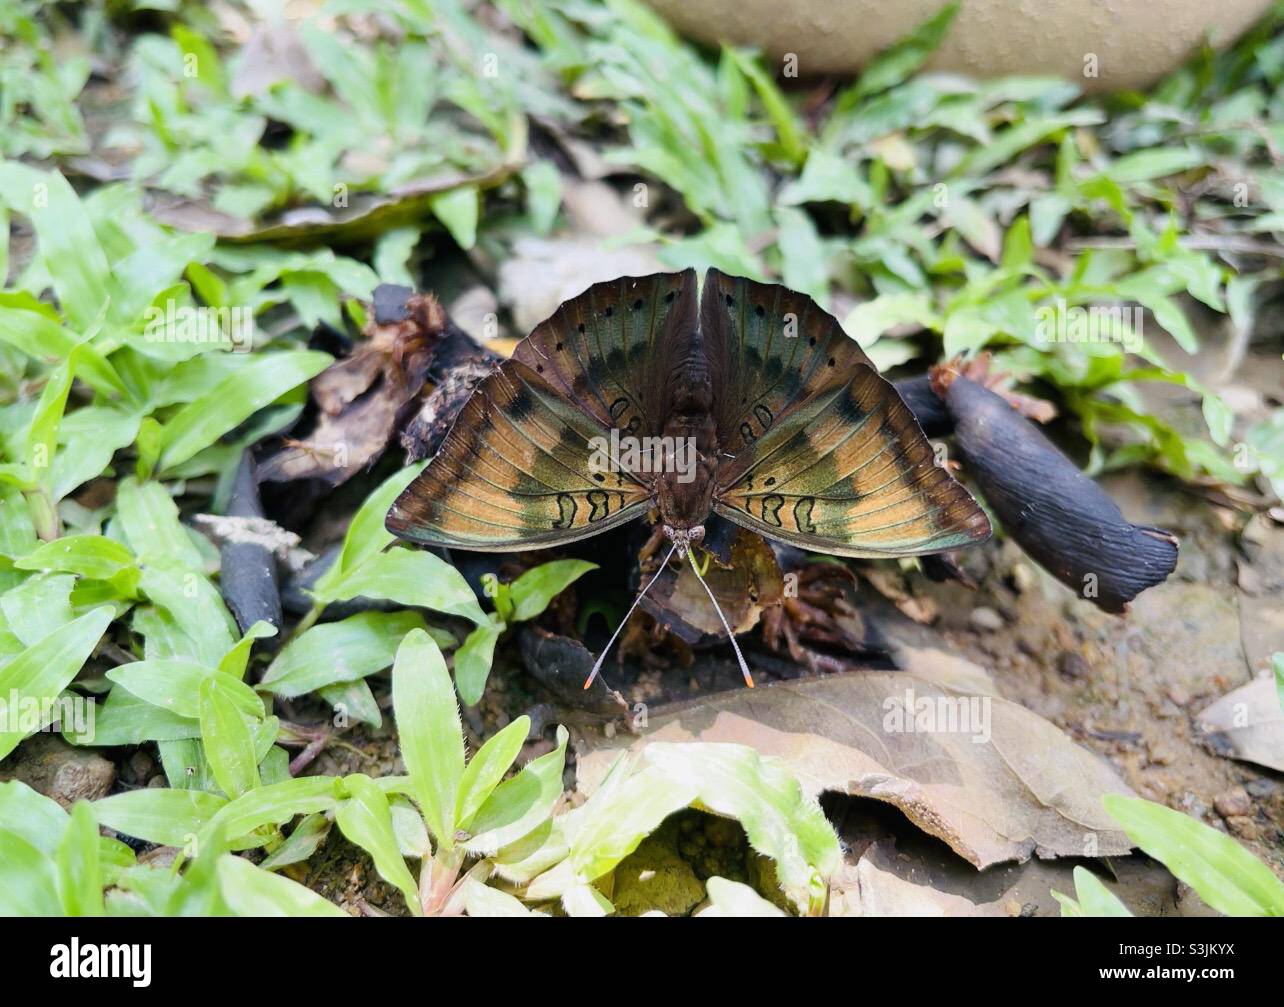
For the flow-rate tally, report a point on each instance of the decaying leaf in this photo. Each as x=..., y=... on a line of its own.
x=1248, y=723
x=990, y=778
x=744, y=587
x=360, y=397
x=367, y=214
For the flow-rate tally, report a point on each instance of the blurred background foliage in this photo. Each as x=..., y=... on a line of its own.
x=933, y=214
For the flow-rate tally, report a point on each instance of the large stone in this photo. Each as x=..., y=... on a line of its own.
x=1133, y=43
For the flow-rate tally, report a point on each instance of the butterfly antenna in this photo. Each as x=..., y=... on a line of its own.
x=744, y=668
x=597, y=665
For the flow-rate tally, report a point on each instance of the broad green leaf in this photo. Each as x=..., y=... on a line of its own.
x=482, y=901
x=408, y=826
x=39, y=336
x=458, y=209
x=234, y=662
x=304, y=841
x=1153, y=162
x=38, y=819
x=473, y=660
x=68, y=245
x=731, y=898
x=586, y=902
x=90, y=556
x=148, y=517
x=159, y=815
x=354, y=701
x=228, y=743
x=789, y=131
x=233, y=400
x=365, y=819
x=826, y=178
x=39, y=606
x=432, y=745
x=17, y=533
x=1095, y=899
x=414, y=578
x=80, y=878
x=342, y=651
x=252, y=891
x=28, y=879
x=126, y=719
x=195, y=607
x=519, y=805
x=487, y=768
x=617, y=818
x=276, y=804
x=1223, y=873
x=536, y=588
x=174, y=684
x=43, y=670
x=367, y=536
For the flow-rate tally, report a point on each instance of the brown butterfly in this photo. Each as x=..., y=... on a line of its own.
x=751, y=403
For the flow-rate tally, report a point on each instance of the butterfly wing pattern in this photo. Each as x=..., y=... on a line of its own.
x=822, y=452
x=514, y=473
x=814, y=447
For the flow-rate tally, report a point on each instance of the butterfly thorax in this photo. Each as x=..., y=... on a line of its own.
x=684, y=492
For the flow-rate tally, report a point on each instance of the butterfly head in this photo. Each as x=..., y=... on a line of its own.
x=684, y=538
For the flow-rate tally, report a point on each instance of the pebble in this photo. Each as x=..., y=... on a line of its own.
x=1233, y=803
x=1072, y=665
x=56, y=769
x=1244, y=827
x=985, y=619
x=1178, y=695
x=1260, y=788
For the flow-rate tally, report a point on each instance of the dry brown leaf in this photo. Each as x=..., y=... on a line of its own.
x=360, y=398
x=1247, y=723
x=1011, y=786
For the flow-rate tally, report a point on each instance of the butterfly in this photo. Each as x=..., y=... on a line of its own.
x=742, y=399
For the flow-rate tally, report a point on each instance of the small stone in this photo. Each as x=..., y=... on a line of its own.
x=1233, y=803
x=608, y=729
x=1072, y=665
x=1178, y=695
x=1260, y=788
x=1244, y=827
x=1023, y=578
x=141, y=766
x=985, y=619
x=49, y=765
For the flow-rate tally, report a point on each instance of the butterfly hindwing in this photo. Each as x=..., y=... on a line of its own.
x=514, y=473
x=605, y=349
x=772, y=349
x=848, y=471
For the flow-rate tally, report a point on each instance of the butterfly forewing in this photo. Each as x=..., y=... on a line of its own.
x=849, y=472
x=514, y=473
x=773, y=349
x=604, y=349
